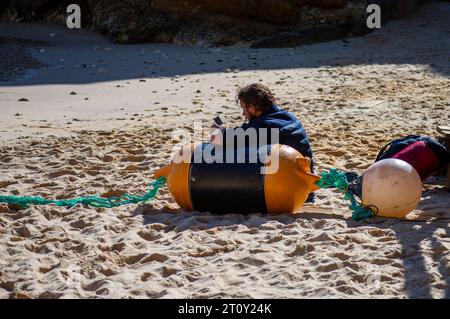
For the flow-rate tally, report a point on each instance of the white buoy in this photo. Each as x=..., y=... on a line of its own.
x=392, y=187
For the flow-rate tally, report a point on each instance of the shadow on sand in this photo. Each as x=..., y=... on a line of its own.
x=86, y=57
x=410, y=234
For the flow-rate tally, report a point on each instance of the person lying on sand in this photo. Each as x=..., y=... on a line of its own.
x=260, y=110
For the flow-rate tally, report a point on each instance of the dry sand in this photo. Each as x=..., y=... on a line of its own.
x=107, y=137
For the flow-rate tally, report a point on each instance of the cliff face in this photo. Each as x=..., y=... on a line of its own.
x=260, y=23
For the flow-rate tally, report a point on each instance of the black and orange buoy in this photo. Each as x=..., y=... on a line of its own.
x=240, y=187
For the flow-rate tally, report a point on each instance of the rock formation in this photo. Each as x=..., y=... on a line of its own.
x=258, y=23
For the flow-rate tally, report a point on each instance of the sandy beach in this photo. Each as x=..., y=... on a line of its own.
x=81, y=116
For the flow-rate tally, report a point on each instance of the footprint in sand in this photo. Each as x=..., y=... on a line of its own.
x=62, y=173
x=25, y=231
x=7, y=285
x=275, y=239
x=168, y=271
x=118, y=247
x=79, y=248
x=147, y=276
x=154, y=257
x=95, y=285
x=149, y=234
x=108, y=272
x=38, y=249
x=81, y=224
x=18, y=295
x=341, y=256
x=130, y=260
x=301, y=250
x=252, y=261
x=113, y=193
x=133, y=158
x=50, y=295
x=210, y=252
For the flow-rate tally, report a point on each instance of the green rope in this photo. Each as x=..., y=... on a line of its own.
x=333, y=179
x=336, y=179
x=94, y=201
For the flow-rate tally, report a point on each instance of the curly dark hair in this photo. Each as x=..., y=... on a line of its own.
x=257, y=94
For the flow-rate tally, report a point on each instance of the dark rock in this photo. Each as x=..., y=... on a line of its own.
x=321, y=3
x=281, y=12
x=280, y=40
x=327, y=3
x=395, y=9
x=265, y=23
x=302, y=36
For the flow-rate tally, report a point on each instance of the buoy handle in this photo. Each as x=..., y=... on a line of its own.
x=163, y=171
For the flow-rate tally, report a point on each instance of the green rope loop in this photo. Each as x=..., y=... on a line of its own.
x=335, y=178
x=94, y=201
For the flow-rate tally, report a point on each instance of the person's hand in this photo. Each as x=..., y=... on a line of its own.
x=216, y=134
x=217, y=126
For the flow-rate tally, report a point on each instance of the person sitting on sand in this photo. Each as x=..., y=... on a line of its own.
x=260, y=110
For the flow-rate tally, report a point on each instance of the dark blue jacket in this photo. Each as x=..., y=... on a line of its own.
x=292, y=132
